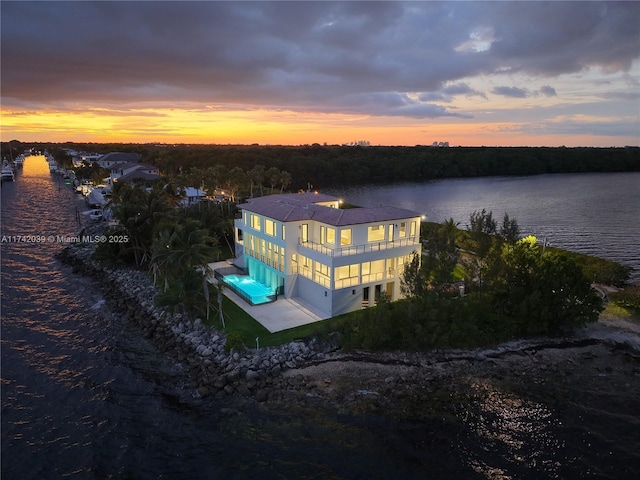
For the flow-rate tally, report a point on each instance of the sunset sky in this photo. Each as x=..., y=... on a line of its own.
x=391, y=73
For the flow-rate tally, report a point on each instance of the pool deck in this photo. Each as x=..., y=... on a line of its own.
x=280, y=315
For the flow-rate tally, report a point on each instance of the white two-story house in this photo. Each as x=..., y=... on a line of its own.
x=305, y=247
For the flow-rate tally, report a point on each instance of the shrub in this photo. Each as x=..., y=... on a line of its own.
x=234, y=342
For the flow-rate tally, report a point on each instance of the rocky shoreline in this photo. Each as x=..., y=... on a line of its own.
x=316, y=373
x=211, y=370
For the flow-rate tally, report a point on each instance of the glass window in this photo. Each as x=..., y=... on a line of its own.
x=304, y=233
x=403, y=230
x=347, y=271
x=322, y=268
x=413, y=229
x=366, y=268
x=375, y=233
x=270, y=227
x=331, y=236
x=345, y=236
x=255, y=222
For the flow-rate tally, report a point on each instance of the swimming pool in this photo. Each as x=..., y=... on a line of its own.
x=251, y=290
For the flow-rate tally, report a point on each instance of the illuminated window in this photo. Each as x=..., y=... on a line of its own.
x=321, y=274
x=331, y=236
x=403, y=230
x=345, y=236
x=413, y=229
x=255, y=222
x=304, y=233
x=348, y=271
x=283, y=230
x=375, y=233
x=322, y=268
x=327, y=235
x=366, y=268
x=270, y=227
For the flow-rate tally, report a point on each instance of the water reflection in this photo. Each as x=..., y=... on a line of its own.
x=514, y=429
x=35, y=166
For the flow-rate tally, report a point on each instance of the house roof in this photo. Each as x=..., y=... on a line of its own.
x=293, y=207
x=120, y=157
x=127, y=165
x=193, y=192
x=138, y=175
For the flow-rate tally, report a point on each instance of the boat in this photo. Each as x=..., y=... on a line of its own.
x=94, y=214
x=7, y=173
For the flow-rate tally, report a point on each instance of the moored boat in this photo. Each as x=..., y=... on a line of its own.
x=7, y=173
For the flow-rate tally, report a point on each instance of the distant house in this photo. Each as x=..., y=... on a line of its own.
x=303, y=246
x=80, y=158
x=191, y=196
x=114, y=158
x=128, y=172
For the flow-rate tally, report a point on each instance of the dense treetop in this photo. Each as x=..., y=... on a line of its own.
x=333, y=165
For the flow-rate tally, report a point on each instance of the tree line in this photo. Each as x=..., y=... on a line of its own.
x=325, y=166
x=332, y=165
x=478, y=287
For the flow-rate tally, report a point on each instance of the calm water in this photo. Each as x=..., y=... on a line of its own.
x=594, y=213
x=85, y=396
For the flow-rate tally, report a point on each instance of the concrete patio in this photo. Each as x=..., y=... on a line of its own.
x=280, y=315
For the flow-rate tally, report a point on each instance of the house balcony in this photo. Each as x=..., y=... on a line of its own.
x=347, y=250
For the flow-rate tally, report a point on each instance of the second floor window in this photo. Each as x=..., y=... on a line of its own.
x=255, y=222
x=345, y=236
x=375, y=233
x=327, y=235
x=269, y=227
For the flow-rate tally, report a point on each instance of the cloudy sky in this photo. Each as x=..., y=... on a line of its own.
x=391, y=73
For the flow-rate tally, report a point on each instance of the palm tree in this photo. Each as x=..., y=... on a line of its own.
x=256, y=177
x=273, y=176
x=235, y=178
x=184, y=247
x=285, y=180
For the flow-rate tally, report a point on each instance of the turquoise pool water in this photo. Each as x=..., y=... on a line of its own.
x=255, y=291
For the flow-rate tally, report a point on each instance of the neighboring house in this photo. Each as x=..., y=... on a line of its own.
x=126, y=172
x=337, y=260
x=79, y=158
x=114, y=158
x=191, y=196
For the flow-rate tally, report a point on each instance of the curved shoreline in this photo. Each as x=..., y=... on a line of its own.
x=314, y=371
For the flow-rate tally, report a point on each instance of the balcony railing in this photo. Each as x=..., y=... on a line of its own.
x=358, y=249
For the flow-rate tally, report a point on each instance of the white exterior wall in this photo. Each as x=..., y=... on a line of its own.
x=327, y=298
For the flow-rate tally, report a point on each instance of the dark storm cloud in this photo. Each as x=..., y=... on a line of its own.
x=378, y=58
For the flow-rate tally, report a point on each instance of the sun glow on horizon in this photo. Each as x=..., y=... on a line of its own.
x=210, y=125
